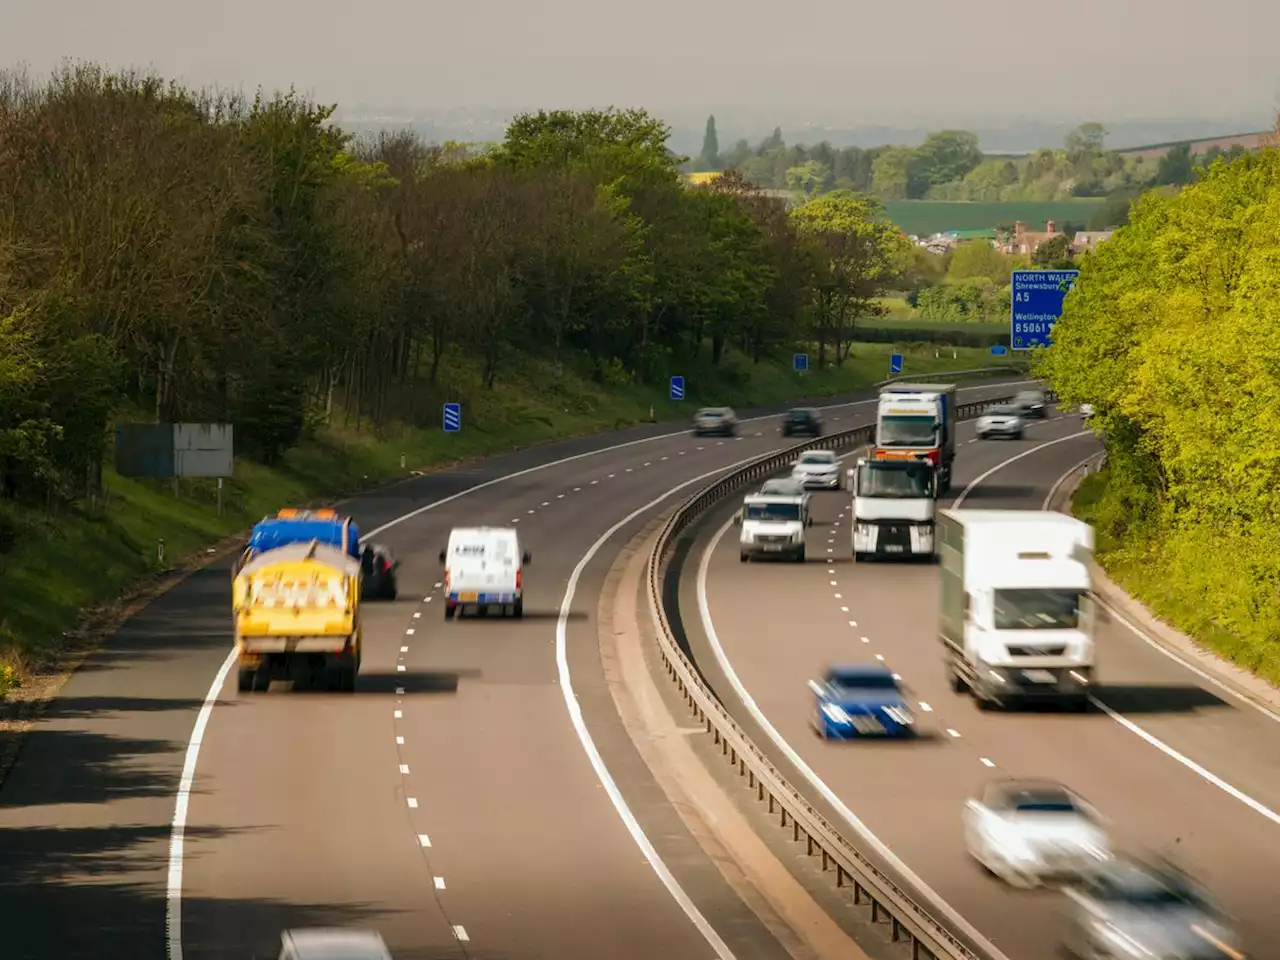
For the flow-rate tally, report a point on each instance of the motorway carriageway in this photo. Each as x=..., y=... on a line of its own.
x=1181, y=766
x=453, y=801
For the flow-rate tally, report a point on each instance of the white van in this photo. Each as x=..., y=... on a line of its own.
x=483, y=567
x=773, y=525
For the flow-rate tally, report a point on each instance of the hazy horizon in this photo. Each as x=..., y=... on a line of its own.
x=1110, y=60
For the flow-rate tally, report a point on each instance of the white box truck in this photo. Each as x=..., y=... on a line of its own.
x=917, y=421
x=1017, y=612
x=893, y=508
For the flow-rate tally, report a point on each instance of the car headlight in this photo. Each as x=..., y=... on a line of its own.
x=864, y=529
x=1116, y=938
x=836, y=713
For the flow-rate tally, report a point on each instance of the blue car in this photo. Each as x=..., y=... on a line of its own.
x=860, y=701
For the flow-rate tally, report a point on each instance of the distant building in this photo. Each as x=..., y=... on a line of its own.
x=1087, y=240
x=1025, y=242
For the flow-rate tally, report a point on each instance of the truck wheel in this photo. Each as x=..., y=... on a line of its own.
x=450, y=610
x=798, y=556
x=517, y=609
x=958, y=684
x=1079, y=704
x=245, y=680
x=859, y=557
x=743, y=558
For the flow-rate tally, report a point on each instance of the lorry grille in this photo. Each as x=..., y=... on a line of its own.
x=895, y=534
x=772, y=538
x=1054, y=651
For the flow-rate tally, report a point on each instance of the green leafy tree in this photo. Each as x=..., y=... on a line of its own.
x=946, y=157
x=1054, y=253
x=709, y=158
x=979, y=259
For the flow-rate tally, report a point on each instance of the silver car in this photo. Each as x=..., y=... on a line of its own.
x=1001, y=421
x=1131, y=909
x=784, y=487
x=1028, y=832
x=715, y=420
x=332, y=943
x=817, y=468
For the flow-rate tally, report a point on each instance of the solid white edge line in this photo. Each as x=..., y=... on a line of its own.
x=1057, y=484
x=1004, y=463
x=588, y=744
x=948, y=912
x=177, y=831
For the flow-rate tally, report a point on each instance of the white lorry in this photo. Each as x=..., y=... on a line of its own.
x=1017, y=611
x=893, y=508
x=917, y=421
x=772, y=525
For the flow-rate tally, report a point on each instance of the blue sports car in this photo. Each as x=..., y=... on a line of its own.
x=860, y=701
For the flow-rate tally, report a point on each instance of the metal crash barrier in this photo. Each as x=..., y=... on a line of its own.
x=911, y=922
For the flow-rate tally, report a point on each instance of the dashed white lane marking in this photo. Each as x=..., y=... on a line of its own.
x=952, y=732
x=853, y=623
x=399, y=741
x=439, y=882
x=953, y=916
x=424, y=840
x=546, y=503
x=409, y=632
x=416, y=616
x=834, y=584
x=831, y=570
x=577, y=489
x=611, y=476
x=650, y=463
x=399, y=714
x=594, y=482
x=1004, y=463
x=404, y=768
x=429, y=599
x=666, y=458
x=461, y=933
x=839, y=597
x=702, y=448
x=629, y=470
x=831, y=550
x=559, y=496
x=865, y=639
x=404, y=649
x=986, y=762
x=880, y=657
x=399, y=691
x=683, y=452
x=413, y=803
x=400, y=668
x=925, y=707
x=845, y=610
x=515, y=519
x=530, y=511
x=438, y=584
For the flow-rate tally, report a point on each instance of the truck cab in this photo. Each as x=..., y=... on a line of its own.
x=916, y=421
x=1018, y=615
x=772, y=525
x=893, y=508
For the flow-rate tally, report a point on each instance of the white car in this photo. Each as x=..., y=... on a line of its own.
x=333, y=943
x=817, y=468
x=1001, y=421
x=1028, y=832
x=784, y=487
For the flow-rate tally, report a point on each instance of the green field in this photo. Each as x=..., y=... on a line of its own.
x=927, y=217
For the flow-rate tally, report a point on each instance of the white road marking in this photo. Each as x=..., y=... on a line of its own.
x=461, y=933
x=845, y=610
x=404, y=649
x=577, y=489
x=399, y=691
x=952, y=916
x=559, y=496
x=409, y=632
x=404, y=768
x=416, y=616
x=839, y=597
x=629, y=470
x=399, y=714
x=546, y=503
x=880, y=656
x=424, y=840
x=666, y=458
x=399, y=741
x=986, y=762
x=439, y=882
x=438, y=584
x=924, y=707
x=834, y=584
x=429, y=599
x=683, y=452
x=853, y=623
x=400, y=668
x=648, y=463
x=413, y=803
x=831, y=550
x=611, y=476
x=177, y=833
x=865, y=639
x=594, y=482
x=529, y=511
x=952, y=732
x=831, y=570
x=1004, y=463
x=515, y=519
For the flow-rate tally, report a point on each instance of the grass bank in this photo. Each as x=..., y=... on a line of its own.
x=56, y=565
x=1197, y=581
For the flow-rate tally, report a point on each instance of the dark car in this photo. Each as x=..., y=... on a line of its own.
x=1031, y=403
x=803, y=421
x=378, y=573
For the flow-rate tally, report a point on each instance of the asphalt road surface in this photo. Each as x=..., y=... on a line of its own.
x=1179, y=765
x=451, y=802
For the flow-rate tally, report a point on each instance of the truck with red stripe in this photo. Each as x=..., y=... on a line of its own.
x=916, y=421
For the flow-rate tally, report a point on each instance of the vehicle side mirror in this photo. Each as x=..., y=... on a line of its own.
x=817, y=688
x=527, y=557
x=442, y=556
x=808, y=521
x=737, y=519
x=973, y=806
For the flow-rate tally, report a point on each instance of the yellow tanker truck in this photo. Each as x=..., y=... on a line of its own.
x=297, y=613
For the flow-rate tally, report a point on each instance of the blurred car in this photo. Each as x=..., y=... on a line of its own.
x=1004, y=420
x=859, y=701
x=378, y=573
x=322, y=943
x=784, y=487
x=713, y=420
x=1031, y=404
x=803, y=421
x=1154, y=911
x=817, y=468
x=1027, y=832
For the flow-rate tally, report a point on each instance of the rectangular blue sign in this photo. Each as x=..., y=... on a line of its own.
x=800, y=362
x=1036, y=304
x=452, y=417
x=895, y=363
x=999, y=350
x=677, y=388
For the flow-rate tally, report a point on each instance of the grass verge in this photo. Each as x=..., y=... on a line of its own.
x=59, y=564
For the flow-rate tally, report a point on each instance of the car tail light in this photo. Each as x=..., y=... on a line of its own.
x=519, y=577
x=386, y=565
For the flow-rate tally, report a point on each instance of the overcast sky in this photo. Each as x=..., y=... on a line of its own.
x=839, y=59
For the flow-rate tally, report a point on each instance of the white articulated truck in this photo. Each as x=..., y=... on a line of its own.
x=917, y=421
x=1017, y=612
x=893, y=508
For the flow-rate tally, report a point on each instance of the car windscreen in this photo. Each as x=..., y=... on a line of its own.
x=1002, y=411
x=800, y=415
x=774, y=512
x=862, y=681
x=906, y=431
x=876, y=481
x=710, y=414
x=818, y=459
x=1037, y=609
x=1044, y=806
x=1153, y=894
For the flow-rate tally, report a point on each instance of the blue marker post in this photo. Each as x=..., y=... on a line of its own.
x=452, y=417
x=799, y=362
x=895, y=364
x=677, y=388
x=1036, y=305
x=999, y=350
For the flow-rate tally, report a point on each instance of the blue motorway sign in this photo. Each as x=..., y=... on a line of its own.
x=677, y=388
x=452, y=417
x=1036, y=305
x=800, y=362
x=895, y=363
x=999, y=350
